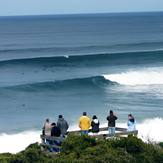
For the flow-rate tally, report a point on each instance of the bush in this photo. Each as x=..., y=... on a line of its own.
x=161, y=144
x=84, y=149
x=131, y=144
x=77, y=144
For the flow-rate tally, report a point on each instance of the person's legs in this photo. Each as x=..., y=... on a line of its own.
x=84, y=132
x=111, y=130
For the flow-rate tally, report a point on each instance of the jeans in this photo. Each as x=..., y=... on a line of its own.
x=84, y=132
x=111, y=130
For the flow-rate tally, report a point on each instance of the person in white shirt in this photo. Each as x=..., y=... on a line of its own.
x=131, y=123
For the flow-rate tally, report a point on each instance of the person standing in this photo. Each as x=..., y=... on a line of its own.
x=62, y=125
x=95, y=124
x=84, y=124
x=111, y=122
x=131, y=123
x=55, y=131
x=47, y=128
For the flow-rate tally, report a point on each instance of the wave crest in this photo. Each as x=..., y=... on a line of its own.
x=142, y=77
x=106, y=58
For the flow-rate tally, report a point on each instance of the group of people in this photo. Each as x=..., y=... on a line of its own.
x=53, y=129
x=85, y=125
x=59, y=130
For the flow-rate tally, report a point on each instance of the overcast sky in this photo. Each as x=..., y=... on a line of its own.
x=37, y=7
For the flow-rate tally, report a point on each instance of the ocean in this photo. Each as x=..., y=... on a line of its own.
x=67, y=64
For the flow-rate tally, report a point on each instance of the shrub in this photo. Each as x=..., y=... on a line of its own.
x=77, y=144
x=84, y=149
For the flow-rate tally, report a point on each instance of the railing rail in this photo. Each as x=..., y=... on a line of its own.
x=101, y=129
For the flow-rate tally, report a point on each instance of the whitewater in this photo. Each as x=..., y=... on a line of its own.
x=145, y=76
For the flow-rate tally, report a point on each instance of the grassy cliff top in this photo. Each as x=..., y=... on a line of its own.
x=84, y=149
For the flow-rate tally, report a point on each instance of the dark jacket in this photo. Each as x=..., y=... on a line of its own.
x=132, y=120
x=111, y=120
x=95, y=125
x=63, y=125
x=55, y=131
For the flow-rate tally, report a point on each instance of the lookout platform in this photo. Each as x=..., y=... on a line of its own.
x=102, y=134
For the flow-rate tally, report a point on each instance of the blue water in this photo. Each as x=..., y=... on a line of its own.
x=52, y=65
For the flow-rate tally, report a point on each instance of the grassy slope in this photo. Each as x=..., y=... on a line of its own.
x=85, y=149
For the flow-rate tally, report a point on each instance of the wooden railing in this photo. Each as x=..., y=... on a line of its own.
x=101, y=129
x=101, y=135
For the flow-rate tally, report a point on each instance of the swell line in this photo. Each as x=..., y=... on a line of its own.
x=76, y=48
x=94, y=58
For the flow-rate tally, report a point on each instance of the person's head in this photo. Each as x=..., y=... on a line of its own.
x=84, y=113
x=94, y=117
x=60, y=116
x=111, y=112
x=53, y=124
x=47, y=120
x=130, y=116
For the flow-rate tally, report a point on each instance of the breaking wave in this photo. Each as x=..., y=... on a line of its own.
x=140, y=77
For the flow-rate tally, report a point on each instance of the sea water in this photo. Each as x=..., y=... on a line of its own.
x=67, y=64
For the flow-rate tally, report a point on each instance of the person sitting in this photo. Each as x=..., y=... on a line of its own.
x=111, y=122
x=131, y=123
x=62, y=125
x=84, y=124
x=95, y=124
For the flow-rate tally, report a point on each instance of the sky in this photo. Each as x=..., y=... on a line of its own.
x=44, y=7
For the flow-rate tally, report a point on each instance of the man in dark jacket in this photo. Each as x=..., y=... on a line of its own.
x=55, y=131
x=111, y=122
x=62, y=125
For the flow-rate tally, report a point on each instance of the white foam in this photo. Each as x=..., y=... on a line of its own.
x=14, y=143
x=66, y=56
x=149, y=129
x=141, y=77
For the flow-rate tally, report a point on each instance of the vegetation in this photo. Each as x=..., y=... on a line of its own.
x=83, y=149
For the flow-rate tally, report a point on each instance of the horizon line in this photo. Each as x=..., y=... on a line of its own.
x=91, y=13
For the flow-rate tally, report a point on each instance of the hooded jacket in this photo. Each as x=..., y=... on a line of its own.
x=131, y=125
x=55, y=131
x=84, y=123
x=95, y=125
x=62, y=125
